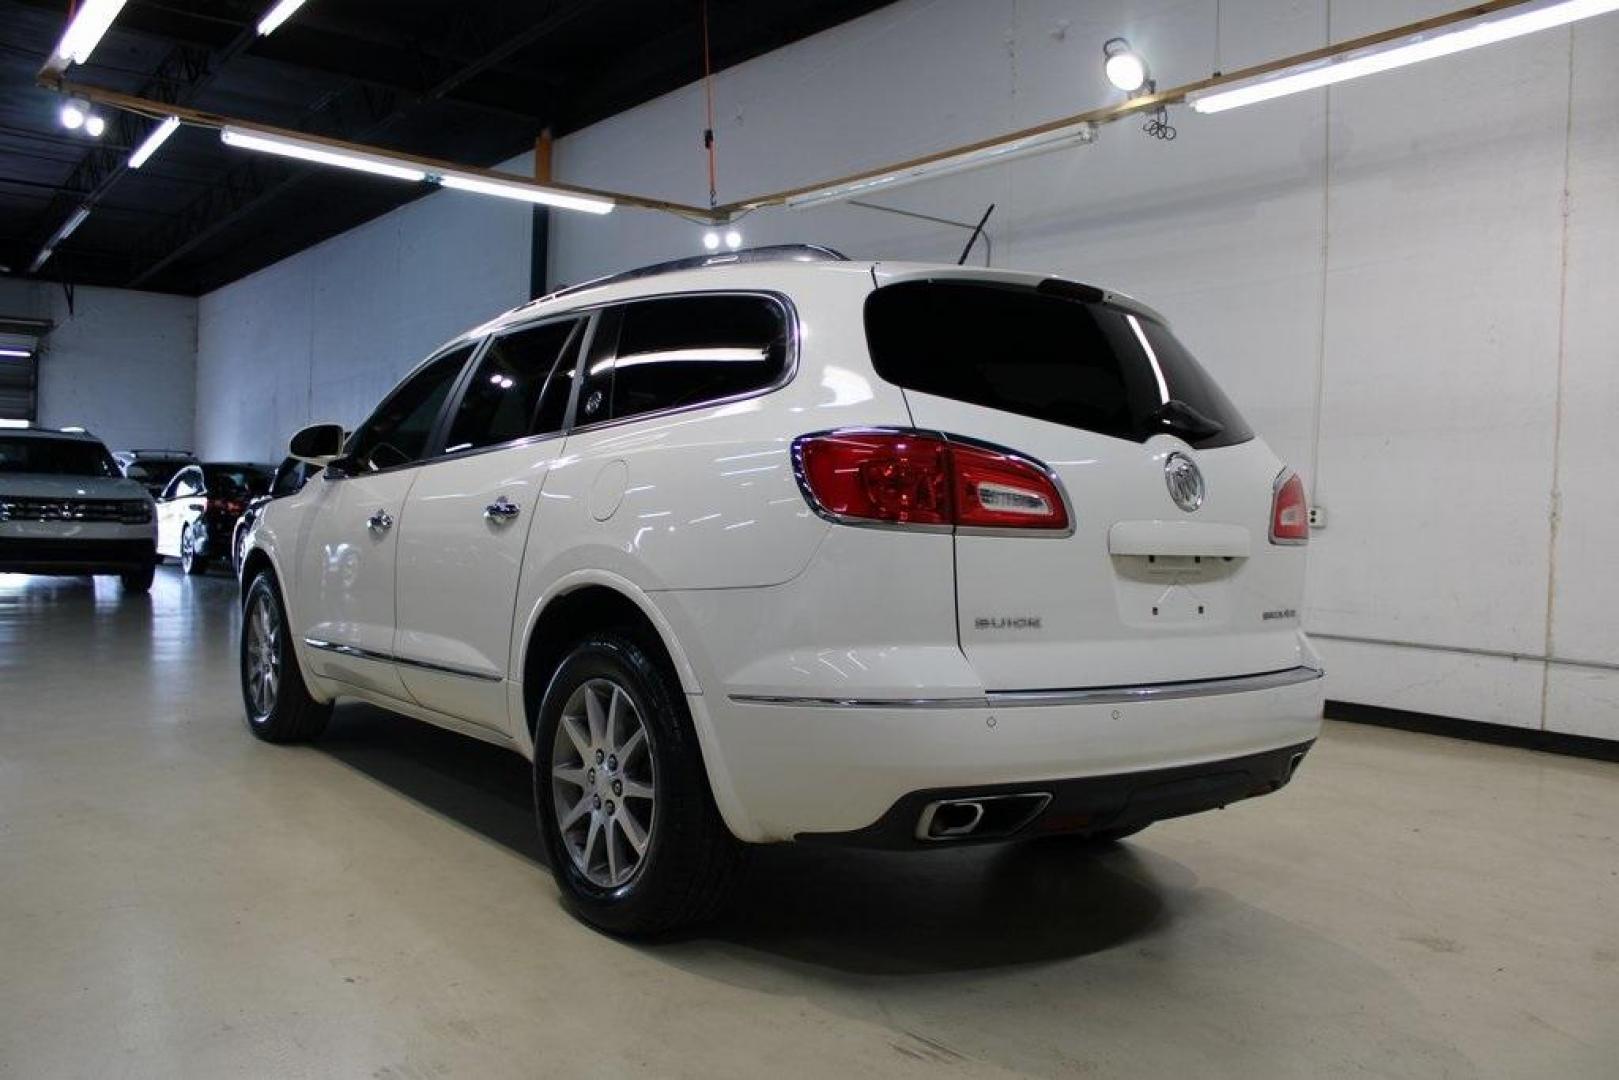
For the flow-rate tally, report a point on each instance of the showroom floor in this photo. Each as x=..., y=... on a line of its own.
x=179, y=899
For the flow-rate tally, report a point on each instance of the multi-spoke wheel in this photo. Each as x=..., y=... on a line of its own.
x=263, y=655
x=190, y=561
x=603, y=783
x=633, y=836
x=279, y=706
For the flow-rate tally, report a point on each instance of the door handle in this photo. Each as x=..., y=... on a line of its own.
x=502, y=509
x=197, y=506
x=381, y=521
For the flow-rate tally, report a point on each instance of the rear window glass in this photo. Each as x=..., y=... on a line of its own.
x=1068, y=361
x=686, y=350
x=55, y=457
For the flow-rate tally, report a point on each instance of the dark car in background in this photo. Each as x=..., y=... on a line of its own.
x=198, y=510
x=290, y=477
x=153, y=469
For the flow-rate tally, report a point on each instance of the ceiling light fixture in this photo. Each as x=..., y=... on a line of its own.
x=1124, y=67
x=73, y=113
x=1401, y=52
x=711, y=240
x=1081, y=134
x=278, y=15
x=17, y=354
x=86, y=30
x=733, y=239
x=532, y=193
x=319, y=153
x=8, y=422
x=157, y=138
x=94, y=126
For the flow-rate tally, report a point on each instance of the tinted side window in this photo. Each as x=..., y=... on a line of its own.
x=186, y=483
x=291, y=476
x=398, y=431
x=686, y=350
x=519, y=389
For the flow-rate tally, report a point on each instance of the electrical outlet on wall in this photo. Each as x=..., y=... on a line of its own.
x=1318, y=517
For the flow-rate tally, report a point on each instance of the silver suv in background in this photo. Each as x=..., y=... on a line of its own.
x=65, y=508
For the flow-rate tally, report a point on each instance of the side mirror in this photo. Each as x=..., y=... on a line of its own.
x=318, y=444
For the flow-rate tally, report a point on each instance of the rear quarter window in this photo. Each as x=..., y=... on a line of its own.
x=682, y=351
x=1076, y=362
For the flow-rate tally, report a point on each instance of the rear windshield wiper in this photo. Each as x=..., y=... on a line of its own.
x=1178, y=418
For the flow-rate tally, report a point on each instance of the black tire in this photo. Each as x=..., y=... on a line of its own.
x=288, y=713
x=690, y=856
x=190, y=562
x=138, y=581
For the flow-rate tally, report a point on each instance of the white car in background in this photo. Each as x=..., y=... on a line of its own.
x=784, y=547
x=66, y=509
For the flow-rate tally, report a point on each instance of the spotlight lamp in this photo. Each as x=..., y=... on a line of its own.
x=94, y=126
x=73, y=114
x=733, y=239
x=1124, y=67
x=711, y=240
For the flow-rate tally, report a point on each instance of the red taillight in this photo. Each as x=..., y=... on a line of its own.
x=226, y=506
x=914, y=479
x=1289, y=511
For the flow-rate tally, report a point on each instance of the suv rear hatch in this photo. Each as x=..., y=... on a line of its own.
x=1096, y=388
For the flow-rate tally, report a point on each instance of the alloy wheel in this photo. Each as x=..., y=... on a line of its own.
x=603, y=778
x=263, y=656
x=188, y=551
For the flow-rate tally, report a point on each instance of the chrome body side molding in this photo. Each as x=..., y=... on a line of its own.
x=1013, y=699
x=426, y=665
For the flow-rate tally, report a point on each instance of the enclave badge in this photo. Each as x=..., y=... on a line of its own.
x=1185, y=481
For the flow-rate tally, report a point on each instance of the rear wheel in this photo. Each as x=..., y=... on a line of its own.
x=633, y=836
x=190, y=561
x=279, y=706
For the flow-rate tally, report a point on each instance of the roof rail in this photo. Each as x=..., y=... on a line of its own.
x=769, y=253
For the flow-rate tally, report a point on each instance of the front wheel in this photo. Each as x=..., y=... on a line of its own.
x=138, y=581
x=279, y=706
x=632, y=833
x=190, y=562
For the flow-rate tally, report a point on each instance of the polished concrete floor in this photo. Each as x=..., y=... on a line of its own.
x=177, y=899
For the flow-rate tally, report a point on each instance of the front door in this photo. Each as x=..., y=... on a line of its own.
x=467, y=521
x=181, y=501
x=346, y=570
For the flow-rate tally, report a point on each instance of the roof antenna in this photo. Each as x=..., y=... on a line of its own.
x=977, y=231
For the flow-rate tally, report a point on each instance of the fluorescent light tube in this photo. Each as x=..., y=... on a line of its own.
x=533, y=193
x=157, y=138
x=6, y=422
x=278, y=15
x=73, y=222
x=1043, y=143
x=20, y=354
x=1401, y=52
x=86, y=30
x=319, y=153
x=41, y=259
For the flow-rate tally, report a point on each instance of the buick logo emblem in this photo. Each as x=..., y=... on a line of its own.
x=1184, y=480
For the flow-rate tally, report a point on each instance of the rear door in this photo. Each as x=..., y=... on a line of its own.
x=1145, y=589
x=467, y=521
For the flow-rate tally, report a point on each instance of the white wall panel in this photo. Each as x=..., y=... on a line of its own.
x=121, y=363
x=1493, y=689
x=324, y=334
x=1585, y=599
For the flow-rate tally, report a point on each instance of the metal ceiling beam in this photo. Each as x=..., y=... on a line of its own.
x=360, y=112
x=179, y=76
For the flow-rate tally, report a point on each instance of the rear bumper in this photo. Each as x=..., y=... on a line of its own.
x=1084, y=805
x=783, y=768
x=40, y=555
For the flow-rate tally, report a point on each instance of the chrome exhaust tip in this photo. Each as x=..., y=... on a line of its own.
x=982, y=817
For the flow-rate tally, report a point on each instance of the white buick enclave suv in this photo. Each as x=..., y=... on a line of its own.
x=778, y=546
